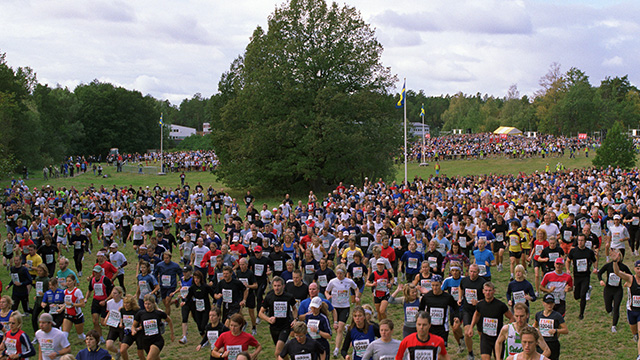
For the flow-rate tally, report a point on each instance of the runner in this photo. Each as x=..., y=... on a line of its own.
x=231, y=343
x=438, y=304
x=100, y=286
x=74, y=301
x=317, y=320
x=582, y=259
x=212, y=331
x=410, y=303
x=529, y=338
x=359, y=335
x=385, y=347
x=470, y=293
x=148, y=323
x=53, y=342
x=559, y=284
x=484, y=260
x=509, y=341
x=167, y=273
x=338, y=291
x=539, y=245
x=551, y=323
x=612, y=293
x=16, y=342
x=422, y=344
x=633, y=291
x=302, y=346
x=381, y=282
x=277, y=310
x=520, y=289
x=489, y=318
x=112, y=319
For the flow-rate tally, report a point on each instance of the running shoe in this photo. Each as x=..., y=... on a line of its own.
x=254, y=332
x=588, y=297
x=335, y=353
x=183, y=340
x=614, y=329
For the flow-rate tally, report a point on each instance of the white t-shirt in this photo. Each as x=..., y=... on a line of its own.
x=199, y=253
x=117, y=259
x=53, y=341
x=340, y=291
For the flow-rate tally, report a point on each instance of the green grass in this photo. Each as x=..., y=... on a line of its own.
x=590, y=338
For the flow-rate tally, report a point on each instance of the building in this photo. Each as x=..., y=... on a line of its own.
x=206, y=128
x=179, y=132
x=417, y=129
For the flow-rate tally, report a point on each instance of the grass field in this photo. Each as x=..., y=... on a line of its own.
x=590, y=338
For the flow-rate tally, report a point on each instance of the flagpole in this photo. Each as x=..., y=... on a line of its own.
x=161, y=143
x=423, y=134
x=405, y=133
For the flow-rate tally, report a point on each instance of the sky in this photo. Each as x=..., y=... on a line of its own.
x=175, y=49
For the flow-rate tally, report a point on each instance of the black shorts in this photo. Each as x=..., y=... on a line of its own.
x=229, y=309
x=280, y=335
x=536, y=264
x=251, y=300
x=138, y=242
x=487, y=344
x=379, y=300
x=166, y=292
x=526, y=251
x=497, y=245
x=343, y=314
x=147, y=343
x=130, y=339
x=8, y=256
x=515, y=254
x=185, y=310
x=96, y=308
x=115, y=334
x=467, y=317
x=76, y=319
x=149, y=233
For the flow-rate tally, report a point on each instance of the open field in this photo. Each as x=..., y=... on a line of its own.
x=590, y=338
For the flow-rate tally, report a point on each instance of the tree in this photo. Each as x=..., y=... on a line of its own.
x=617, y=149
x=307, y=104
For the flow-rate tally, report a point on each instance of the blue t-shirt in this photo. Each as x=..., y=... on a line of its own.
x=482, y=257
x=168, y=272
x=304, y=305
x=486, y=235
x=412, y=261
x=150, y=283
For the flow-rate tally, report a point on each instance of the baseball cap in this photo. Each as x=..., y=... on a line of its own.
x=277, y=243
x=45, y=317
x=97, y=269
x=436, y=278
x=187, y=268
x=114, y=245
x=78, y=229
x=548, y=299
x=559, y=261
x=637, y=263
x=616, y=217
x=380, y=261
x=316, y=302
x=583, y=208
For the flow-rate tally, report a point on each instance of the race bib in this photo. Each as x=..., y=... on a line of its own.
x=127, y=321
x=413, y=263
x=424, y=354
x=410, y=314
x=39, y=288
x=433, y=261
x=360, y=346
x=500, y=237
x=437, y=316
x=150, y=327
x=48, y=258
x=184, y=291
x=199, y=305
x=482, y=270
x=322, y=280
x=490, y=326
x=280, y=309
x=553, y=257
x=77, y=245
x=98, y=289
x=312, y=328
x=15, y=278
x=227, y=296
x=234, y=351
x=581, y=265
x=277, y=265
x=539, y=249
x=514, y=240
x=567, y=235
x=166, y=280
x=470, y=295
x=343, y=296
x=113, y=319
x=125, y=222
x=455, y=293
x=357, y=272
x=212, y=336
x=462, y=241
x=396, y=242
x=62, y=282
x=46, y=346
x=545, y=325
x=309, y=269
x=426, y=284
x=518, y=297
x=258, y=270
x=302, y=357
x=10, y=345
x=614, y=280
x=635, y=301
x=381, y=285
x=144, y=288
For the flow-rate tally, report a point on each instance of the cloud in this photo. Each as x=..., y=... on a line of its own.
x=615, y=61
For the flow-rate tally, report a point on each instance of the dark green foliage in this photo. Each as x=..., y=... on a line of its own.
x=617, y=149
x=196, y=142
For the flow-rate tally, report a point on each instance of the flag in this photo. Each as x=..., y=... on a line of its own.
x=422, y=111
x=161, y=122
x=401, y=101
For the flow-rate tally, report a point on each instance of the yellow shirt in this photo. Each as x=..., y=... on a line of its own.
x=526, y=235
x=33, y=261
x=514, y=241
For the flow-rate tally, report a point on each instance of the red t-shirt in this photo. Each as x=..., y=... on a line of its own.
x=109, y=269
x=412, y=348
x=235, y=344
x=388, y=253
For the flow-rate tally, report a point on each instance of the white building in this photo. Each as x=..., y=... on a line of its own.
x=206, y=128
x=417, y=129
x=179, y=132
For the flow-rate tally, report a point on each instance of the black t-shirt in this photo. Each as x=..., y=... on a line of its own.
x=582, y=259
x=469, y=290
x=199, y=297
x=438, y=307
x=79, y=242
x=298, y=292
x=612, y=281
x=545, y=323
x=47, y=253
x=500, y=229
x=150, y=323
x=552, y=255
x=430, y=256
x=564, y=232
x=310, y=346
x=259, y=266
x=246, y=277
x=233, y=290
x=278, y=259
x=491, y=317
x=280, y=307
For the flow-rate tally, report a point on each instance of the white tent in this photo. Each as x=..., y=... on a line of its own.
x=507, y=130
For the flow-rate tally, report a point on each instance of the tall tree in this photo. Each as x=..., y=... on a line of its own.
x=617, y=149
x=296, y=114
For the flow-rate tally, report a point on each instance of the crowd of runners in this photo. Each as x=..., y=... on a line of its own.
x=322, y=275
x=487, y=145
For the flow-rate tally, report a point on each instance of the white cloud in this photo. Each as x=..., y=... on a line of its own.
x=175, y=49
